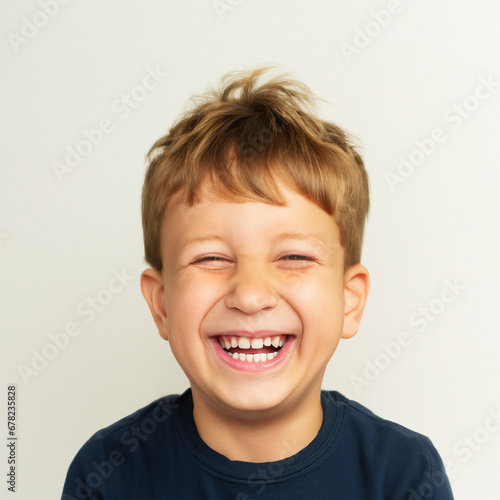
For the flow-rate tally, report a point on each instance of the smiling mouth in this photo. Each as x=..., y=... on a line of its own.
x=255, y=350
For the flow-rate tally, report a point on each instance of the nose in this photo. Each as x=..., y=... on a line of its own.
x=251, y=290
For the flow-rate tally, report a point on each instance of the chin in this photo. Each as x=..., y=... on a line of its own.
x=251, y=401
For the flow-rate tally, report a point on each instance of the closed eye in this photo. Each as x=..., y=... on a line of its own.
x=297, y=257
x=209, y=258
x=216, y=258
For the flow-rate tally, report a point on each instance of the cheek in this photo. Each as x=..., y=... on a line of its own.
x=187, y=301
x=320, y=304
x=325, y=287
x=188, y=293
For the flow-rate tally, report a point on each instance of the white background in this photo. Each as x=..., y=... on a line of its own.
x=61, y=240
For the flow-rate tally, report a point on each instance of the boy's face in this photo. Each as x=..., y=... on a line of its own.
x=268, y=272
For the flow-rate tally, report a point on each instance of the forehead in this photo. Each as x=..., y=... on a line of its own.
x=210, y=198
x=216, y=216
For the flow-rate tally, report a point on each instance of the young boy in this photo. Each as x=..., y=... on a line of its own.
x=253, y=215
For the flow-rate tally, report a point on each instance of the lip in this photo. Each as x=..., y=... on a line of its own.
x=251, y=335
x=250, y=366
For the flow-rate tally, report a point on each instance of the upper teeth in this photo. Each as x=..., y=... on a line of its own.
x=256, y=343
x=244, y=343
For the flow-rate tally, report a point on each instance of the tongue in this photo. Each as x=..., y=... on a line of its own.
x=264, y=350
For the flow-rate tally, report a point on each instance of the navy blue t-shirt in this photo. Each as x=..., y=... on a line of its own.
x=156, y=453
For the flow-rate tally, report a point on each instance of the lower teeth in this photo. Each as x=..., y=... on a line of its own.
x=256, y=358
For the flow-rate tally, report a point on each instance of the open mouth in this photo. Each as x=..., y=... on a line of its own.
x=252, y=350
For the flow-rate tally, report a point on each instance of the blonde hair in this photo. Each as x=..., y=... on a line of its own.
x=244, y=136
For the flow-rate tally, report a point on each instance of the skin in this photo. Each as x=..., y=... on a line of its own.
x=252, y=283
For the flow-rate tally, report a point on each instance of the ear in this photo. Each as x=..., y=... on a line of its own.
x=154, y=292
x=356, y=287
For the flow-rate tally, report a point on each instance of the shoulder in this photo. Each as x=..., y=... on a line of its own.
x=135, y=427
x=155, y=412
x=114, y=442
x=113, y=448
x=365, y=423
x=398, y=454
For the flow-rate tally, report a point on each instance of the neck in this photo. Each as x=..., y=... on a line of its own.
x=260, y=436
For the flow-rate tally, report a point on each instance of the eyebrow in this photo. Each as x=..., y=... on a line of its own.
x=279, y=238
x=300, y=237
x=201, y=239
